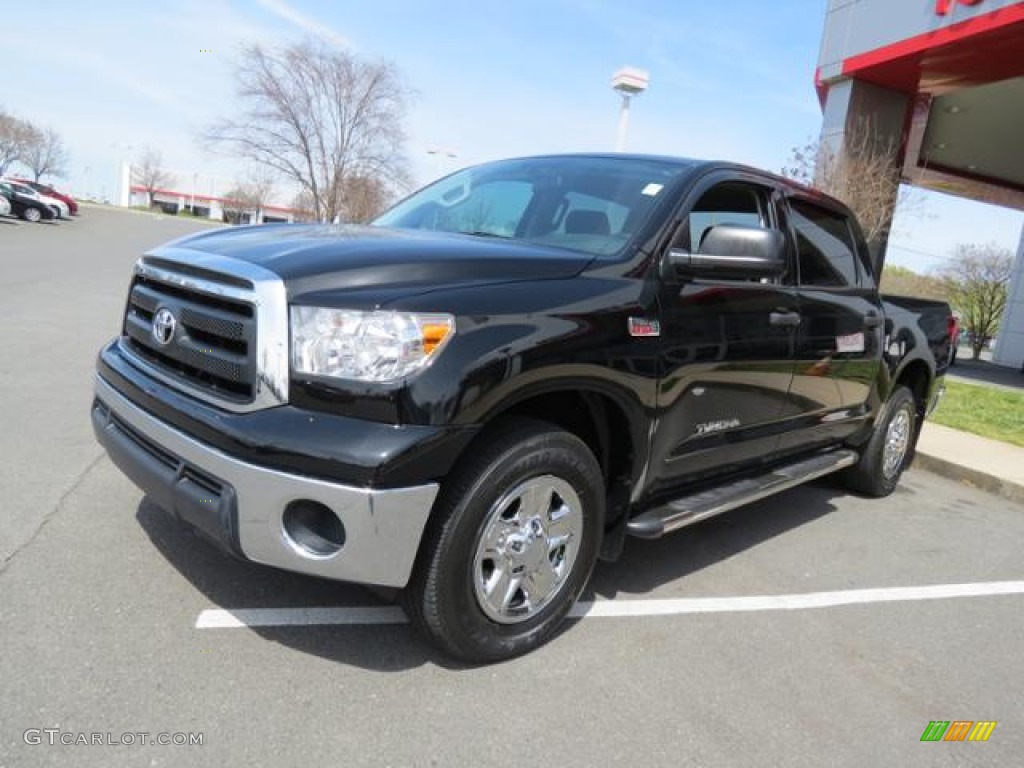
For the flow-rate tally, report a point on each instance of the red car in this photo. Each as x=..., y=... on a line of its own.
x=46, y=189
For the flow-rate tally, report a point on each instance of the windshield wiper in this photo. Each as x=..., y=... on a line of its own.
x=484, y=233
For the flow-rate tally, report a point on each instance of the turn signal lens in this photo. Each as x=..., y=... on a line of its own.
x=434, y=335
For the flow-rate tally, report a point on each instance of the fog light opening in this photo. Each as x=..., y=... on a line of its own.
x=313, y=529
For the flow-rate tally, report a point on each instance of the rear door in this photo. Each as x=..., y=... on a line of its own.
x=727, y=364
x=839, y=341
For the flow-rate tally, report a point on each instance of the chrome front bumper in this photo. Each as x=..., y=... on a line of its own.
x=383, y=527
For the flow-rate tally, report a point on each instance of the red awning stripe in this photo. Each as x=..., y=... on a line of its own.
x=918, y=44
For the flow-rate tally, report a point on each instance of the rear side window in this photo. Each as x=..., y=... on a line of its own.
x=825, y=246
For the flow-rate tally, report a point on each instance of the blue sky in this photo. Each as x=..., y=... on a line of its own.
x=730, y=80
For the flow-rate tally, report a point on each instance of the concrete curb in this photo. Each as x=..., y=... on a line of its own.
x=984, y=481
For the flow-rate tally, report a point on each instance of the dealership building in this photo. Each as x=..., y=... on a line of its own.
x=943, y=80
x=199, y=194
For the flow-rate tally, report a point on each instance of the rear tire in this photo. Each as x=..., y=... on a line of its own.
x=510, y=545
x=888, y=451
x=32, y=215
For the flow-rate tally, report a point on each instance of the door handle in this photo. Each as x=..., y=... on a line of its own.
x=873, y=320
x=785, y=318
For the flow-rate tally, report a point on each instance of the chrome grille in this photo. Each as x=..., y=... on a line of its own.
x=210, y=344
x=228, y=344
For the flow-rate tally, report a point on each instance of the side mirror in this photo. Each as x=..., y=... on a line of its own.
x=733, y=251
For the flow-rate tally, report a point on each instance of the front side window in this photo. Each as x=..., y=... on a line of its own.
x=825, y=247
x=727, y=203
x=589, y=204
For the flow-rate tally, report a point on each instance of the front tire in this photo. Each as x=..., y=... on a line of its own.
x=32, y=215
x=511, y=544
x=888, y=451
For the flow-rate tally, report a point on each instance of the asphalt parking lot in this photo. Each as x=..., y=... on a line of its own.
x=101, y=595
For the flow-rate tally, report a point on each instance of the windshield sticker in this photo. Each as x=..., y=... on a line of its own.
x=652, y=189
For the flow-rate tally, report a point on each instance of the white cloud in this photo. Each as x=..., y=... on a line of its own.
x=302, y=21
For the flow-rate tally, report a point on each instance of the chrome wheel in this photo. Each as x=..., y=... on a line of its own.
x=897, y=440
x=527, y=548
x=32, y=215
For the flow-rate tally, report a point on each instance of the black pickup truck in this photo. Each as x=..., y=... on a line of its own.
x=508, y=373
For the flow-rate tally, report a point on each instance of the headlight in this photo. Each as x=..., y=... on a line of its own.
x=365, y=346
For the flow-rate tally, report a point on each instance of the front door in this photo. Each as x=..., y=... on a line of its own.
x=727, y=352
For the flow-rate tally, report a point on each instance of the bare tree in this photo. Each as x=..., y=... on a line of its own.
x=259, y=185
x=14, y=135
x=320, y=117
x=863, y=174
x=149, y=174
x=303, y=207
x=363, y=198
x=249, y=195
x=976, y=279
x=235, y=204
x=44, y=153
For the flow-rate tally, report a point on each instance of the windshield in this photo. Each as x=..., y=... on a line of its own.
x=588, y=204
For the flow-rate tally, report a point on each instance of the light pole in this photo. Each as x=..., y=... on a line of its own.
x=628, y=82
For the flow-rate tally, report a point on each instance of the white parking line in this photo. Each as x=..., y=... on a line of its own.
x=390, y=614
x=672, y=606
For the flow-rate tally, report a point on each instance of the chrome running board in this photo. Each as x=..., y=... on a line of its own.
x=687, y=510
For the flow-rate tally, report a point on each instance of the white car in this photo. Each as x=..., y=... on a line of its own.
x=60, y=208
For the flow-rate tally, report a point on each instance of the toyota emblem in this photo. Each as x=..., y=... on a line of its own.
x=164, y=324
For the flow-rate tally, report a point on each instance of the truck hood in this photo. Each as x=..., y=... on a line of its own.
x=380, y=263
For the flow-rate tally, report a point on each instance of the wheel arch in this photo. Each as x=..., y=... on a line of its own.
x=606, y=420
x=917, y=377
x=595, y=417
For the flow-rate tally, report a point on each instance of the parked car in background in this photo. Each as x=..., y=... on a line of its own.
x=27, y=207
x=59, y=208
x=46, y=189
x=5, y=203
